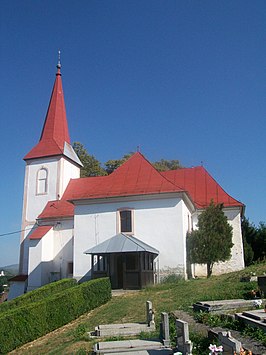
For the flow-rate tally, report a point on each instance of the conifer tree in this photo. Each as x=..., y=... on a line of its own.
x=212, y=241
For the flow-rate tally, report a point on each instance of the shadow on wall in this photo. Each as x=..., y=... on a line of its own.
x=61, y=266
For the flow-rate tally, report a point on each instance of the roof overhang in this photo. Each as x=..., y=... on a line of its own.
x=121, y=243
x=125, y=198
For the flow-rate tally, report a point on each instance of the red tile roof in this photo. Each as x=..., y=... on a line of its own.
x=40, y=232
x=135, y=177
x=201, y=187
x=57, y=208
x=138, y=177
x=55, y=129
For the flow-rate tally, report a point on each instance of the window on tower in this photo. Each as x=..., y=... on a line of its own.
x=42, y=181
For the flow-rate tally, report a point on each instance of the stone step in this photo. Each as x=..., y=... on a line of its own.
x=254, y=318
x=126, y=346
x=222, y=305
x=122, y=329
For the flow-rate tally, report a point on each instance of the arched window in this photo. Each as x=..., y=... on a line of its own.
x=42, y=181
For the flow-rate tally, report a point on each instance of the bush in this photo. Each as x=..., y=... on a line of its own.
x=26, y=323
x=38, y=294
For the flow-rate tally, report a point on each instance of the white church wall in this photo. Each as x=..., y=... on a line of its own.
x=59, y=172
x=158, y=222
x=68, y=171
x=34, y=202
x=93, y=225
x=24, y=250
x=40, y=261
x=236, y=261
x=63, y=248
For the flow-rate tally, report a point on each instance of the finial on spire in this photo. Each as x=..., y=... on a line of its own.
x=59, y=62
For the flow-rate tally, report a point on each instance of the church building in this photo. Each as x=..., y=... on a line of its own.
x=130, y=225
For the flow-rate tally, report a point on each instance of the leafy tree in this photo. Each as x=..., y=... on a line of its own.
x=164, y=165
x=91, y=166
x=259, y=244
x=249, y=232
x=254, y=240
x=113, y=164
x=212, y=241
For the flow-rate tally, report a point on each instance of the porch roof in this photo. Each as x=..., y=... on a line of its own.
x=121, y=243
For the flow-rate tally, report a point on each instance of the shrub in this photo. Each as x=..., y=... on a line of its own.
x=38, y=294
x=26, y=323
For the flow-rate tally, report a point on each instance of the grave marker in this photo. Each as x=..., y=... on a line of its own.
x=182, y=337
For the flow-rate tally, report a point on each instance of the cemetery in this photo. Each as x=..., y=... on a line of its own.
x=253, y=315
x=183, y=317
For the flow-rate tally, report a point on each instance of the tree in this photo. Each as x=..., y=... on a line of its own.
x=249, y=233
x=212, y=241
x=164, y=165
x=91, y=166
x=254, y=241
x=259, y=245
x=113, y=164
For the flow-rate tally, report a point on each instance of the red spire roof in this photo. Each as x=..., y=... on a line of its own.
x=55, y=129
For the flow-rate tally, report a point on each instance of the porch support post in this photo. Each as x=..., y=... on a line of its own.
x=92, y=268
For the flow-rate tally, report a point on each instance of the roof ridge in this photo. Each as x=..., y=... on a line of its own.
x=173, y=183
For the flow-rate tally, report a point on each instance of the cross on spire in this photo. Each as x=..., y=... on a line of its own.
x=59, y=61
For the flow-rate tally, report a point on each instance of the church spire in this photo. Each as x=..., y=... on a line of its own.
x=55, y=130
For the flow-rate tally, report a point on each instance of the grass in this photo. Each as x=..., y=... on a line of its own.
x=167, y=297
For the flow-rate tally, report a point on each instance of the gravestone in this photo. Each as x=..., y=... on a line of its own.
x=183, y=343
x=165, y=334
x=149, y=314
x=230, y=344
x=262, y=283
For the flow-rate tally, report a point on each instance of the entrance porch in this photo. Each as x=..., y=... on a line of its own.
x=126, y=260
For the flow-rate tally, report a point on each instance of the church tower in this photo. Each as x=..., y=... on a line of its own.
x=49, y=166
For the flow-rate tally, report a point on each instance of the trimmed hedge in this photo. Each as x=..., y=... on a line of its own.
x=38, y=294
x=24, y=324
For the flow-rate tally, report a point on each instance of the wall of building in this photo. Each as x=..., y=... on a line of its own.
x=63, y=248
x=158, y=222
x=40, y=260
x=33, y=202
x=60, y=171
x=67, y=171
x=50, y=255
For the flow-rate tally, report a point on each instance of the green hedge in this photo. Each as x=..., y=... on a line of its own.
x=38, y=294
x=24, y=324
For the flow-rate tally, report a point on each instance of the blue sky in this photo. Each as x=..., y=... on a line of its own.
x=181, y=79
